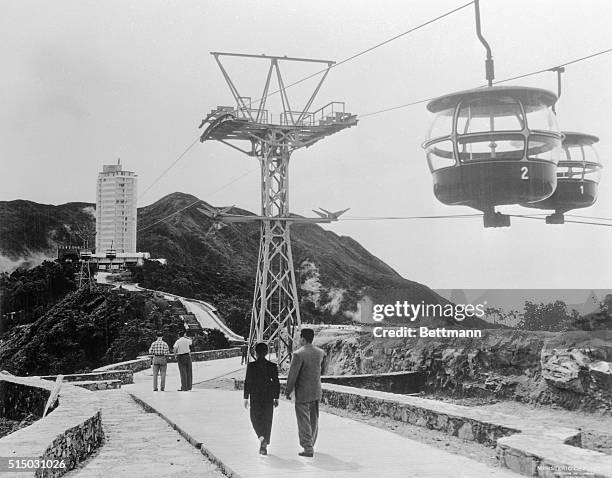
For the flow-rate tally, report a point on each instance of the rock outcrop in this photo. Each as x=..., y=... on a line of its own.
x=568, y=369
x=580, y=375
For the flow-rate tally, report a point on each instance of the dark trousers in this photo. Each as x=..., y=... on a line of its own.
x=185, y=370
x=261, y=418
x=307, y=414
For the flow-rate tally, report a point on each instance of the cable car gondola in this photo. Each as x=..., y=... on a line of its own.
x=578, y=177
x=494, y=146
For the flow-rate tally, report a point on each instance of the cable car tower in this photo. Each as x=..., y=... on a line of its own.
x=275, y=316
x=85, y=276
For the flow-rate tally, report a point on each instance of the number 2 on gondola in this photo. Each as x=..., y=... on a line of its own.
x=524, y=172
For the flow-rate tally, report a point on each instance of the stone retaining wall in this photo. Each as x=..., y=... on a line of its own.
x=126, y=376
x=134, y=365
x=18, y=400
x=212, y=354
x=71, y=432
x=547, y=455
x=99, y=385
x=143, y=363
x=433, y=418
x=394, y=382
x=596, y=442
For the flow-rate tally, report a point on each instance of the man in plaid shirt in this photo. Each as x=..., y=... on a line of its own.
x=160, y=351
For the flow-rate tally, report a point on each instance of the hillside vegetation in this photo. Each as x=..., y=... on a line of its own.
x=216, y=262
x=88, y=329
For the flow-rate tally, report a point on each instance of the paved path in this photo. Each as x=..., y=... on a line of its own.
x=207, y=317
x=346, y=448
x=202, y=371
x=141, y=444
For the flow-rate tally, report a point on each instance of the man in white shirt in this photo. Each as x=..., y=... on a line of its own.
x=183, y=358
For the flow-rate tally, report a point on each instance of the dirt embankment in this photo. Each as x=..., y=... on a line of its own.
x=568, y=369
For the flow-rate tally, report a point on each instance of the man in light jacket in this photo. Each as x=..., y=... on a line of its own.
x=305, y=378
x=183, y=358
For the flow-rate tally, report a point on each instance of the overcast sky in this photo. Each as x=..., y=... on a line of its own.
x=86, y=82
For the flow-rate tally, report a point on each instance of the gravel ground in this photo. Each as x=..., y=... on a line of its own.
x=469, y=449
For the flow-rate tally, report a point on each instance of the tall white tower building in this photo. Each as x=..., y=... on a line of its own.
x=116, y=210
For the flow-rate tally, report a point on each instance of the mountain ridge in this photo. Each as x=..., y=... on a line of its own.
x=206, y=258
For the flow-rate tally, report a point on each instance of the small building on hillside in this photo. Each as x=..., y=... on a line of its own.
x=120, y=260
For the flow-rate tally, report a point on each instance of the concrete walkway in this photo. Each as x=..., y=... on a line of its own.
x=202, y=371
x=141, y=444
x=216, y=421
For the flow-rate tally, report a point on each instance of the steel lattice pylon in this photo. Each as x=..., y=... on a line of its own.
x=275, y=317
x=276, y=314
x=85, y=277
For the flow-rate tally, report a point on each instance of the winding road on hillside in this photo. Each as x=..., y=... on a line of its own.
x=207, y=317
x=205, y=313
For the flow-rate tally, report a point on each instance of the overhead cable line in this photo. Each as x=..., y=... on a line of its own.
x=352, y=57
x=367, y=50
x=591, y=223
x=388, y=218
x=169, y=216
x=566, y=221
x=590, y=217
x=556, y=66
x=405, y=105
x=170, y=167
x=395, y=218
x=237, y=178
x=544, y=70
x=460, y=216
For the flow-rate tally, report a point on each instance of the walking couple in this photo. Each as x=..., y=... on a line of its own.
x=261, y=385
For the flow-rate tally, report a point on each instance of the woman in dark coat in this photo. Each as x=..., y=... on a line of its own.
x=261, y=385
